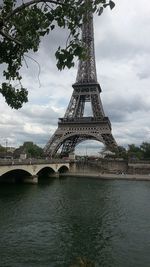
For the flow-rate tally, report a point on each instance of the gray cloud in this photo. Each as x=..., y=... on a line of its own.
x=122, y=45
x=41, y=115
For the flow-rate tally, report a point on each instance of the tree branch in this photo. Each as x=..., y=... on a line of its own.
x=38, y=67
x=9, y=37
x=23, y=6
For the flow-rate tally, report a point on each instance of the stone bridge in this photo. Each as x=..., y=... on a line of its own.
x=29, y=170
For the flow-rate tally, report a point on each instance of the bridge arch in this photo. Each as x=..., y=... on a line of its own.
x=7, y=169
x=15, y=176
x=45, y=171
x=63, y=169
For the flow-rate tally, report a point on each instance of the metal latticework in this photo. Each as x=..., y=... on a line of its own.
x=87, y=68
x=76, y=127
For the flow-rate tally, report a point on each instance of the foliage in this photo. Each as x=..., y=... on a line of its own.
x=134, y=152
x=2, y=149
x=23, y=24
x=139, y=152
x=121, y=153
x=32, y=150
x=145, y=149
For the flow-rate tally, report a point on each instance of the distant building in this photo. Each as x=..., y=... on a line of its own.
x=10, y=149
x=20, y=153
x=72, y=156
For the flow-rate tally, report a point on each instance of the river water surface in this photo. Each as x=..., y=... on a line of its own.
x=51, y=224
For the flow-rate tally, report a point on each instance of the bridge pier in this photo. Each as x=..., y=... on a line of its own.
x=31, y=179
x=55, y=175
x=73, y=167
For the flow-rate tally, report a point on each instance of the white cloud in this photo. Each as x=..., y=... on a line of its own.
x=32, y=129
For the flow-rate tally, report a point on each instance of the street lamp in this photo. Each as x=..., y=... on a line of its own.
x=6, y=148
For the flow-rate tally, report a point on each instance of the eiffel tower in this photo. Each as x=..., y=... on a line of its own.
x=74, y=127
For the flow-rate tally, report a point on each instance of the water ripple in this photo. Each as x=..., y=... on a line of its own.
x=51, y=225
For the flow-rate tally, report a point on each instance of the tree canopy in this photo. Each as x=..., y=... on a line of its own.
x=31, y=149
x=24, y=23
x=141, y=152
x=132, y=152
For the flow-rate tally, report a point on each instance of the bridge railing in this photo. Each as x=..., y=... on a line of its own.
x=32, y=161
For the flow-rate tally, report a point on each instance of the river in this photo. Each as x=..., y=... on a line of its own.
x=53, y=223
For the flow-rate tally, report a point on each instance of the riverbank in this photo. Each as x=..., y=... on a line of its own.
x=108, y=176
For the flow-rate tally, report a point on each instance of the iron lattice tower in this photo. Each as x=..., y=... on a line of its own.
x=74, y=127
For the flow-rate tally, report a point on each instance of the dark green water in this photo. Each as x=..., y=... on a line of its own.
x=49, y=225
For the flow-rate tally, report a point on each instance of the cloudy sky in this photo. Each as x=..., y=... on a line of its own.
x=122, y=44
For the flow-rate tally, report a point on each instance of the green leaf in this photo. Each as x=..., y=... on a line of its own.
x=14, y=97
x=112, y=4
x=26, y=27
x=52, y=27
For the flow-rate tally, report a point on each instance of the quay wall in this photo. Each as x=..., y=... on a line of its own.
x=108, y=176
x=112, y=167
